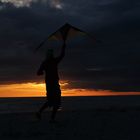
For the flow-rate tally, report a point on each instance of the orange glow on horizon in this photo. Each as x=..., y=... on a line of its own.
x=38, y=89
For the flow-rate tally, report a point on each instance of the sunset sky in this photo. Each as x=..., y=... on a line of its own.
x=108, y=67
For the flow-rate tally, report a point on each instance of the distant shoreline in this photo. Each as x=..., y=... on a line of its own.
x=74, y=96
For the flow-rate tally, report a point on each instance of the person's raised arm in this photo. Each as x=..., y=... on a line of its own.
x=41, y=69
x=62, y=54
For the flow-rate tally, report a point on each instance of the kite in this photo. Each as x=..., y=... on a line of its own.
x=64, y=33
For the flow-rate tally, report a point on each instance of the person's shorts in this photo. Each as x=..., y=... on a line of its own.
x=53, y=94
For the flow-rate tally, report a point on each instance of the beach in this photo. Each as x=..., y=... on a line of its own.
x=97, y=118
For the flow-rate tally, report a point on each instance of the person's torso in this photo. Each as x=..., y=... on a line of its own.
x=51, y=70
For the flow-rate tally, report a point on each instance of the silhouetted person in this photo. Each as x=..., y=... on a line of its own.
x=49, y=66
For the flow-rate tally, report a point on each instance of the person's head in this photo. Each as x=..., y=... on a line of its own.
x=49, y=54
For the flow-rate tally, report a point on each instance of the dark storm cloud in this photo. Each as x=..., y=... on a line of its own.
x=112, y=64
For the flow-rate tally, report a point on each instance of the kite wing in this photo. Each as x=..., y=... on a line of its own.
x=65, y=32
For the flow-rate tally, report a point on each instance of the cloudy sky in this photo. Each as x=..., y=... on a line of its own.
x=111, y=64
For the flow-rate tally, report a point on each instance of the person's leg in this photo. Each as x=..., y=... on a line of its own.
x=54, y=111
x=45, y=105
x=56, y=99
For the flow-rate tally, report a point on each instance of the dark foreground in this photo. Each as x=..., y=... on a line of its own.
x=90, y=118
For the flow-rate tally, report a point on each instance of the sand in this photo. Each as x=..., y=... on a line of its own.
x=85, y=118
